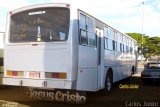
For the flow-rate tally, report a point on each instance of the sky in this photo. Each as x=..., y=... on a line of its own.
x=126, y=16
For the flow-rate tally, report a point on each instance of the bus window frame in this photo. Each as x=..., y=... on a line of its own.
x=86, y=30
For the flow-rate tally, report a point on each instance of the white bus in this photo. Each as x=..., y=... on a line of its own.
x=1, y=55
x=57, y=46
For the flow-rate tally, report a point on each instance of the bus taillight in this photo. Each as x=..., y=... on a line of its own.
x=14, y=73
x=55, y=75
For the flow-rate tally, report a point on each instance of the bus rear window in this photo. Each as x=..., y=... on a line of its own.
x=40, y=25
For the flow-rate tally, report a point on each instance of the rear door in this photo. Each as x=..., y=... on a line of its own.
x=88, y=54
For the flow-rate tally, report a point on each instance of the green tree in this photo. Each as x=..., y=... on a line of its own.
x=150, y=46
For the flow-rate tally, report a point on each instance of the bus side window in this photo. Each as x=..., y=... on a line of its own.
x=83, y=37
x=105, y=43
x=92, y=39
x=87, y=31
x=114, y=45
x=118, y=47
x=124, y=49
x=83, y=33
x=110, y=44
x=82, y=23
x=91, y=32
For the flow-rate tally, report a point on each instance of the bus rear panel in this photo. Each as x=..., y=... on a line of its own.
x=37, y=53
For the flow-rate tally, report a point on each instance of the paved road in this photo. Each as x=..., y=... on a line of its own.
x=120, y=96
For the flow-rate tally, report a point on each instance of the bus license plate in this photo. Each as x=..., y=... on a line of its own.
x=34, y=74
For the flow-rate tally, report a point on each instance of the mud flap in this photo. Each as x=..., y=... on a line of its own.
x=65, y=96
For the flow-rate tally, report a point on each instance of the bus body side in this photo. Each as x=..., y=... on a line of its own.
x=113, y=52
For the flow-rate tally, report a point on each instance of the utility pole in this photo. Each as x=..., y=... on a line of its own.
x=142, y=31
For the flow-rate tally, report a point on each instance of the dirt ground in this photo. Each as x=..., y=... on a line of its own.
x=119, y=97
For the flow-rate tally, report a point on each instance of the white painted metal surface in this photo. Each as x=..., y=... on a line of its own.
x=85, y=65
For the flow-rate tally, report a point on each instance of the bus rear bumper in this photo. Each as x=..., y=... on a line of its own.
x=40, y=83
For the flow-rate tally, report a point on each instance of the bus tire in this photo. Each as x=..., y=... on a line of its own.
x=108, y=83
